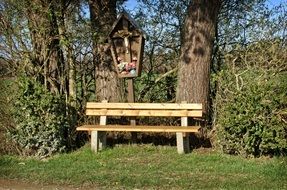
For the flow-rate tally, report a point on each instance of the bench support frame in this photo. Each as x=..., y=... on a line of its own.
x=99, y=138
x=182, y=139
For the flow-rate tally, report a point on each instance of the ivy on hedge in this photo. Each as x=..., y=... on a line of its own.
x=252, y=102
x=40, y=117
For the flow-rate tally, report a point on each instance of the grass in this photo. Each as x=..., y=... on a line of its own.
x=149, y=167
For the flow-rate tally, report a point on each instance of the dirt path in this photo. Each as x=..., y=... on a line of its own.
x=18, y=185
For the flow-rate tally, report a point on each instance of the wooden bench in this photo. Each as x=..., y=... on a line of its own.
x=104, y=109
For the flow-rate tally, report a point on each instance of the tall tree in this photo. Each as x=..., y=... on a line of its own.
x=196, y=51
x=44, y=31
x=103, y=15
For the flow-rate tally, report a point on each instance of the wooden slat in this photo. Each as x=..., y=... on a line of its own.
x=153, y=113
x=168, y=106
x=138, y=128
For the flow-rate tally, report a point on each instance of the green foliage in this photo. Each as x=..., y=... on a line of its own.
x=40, y=117
x=4, y=103
x=152, y=87
x=251, y=104
x=6, y=120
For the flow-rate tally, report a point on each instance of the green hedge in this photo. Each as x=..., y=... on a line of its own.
x=251, y=102
x=40, y=117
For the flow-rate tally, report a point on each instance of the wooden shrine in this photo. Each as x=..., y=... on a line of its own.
x=127, y=46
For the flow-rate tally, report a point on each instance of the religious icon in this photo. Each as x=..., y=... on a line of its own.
x=127, y=42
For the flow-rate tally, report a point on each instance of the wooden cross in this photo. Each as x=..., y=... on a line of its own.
x=126, y=35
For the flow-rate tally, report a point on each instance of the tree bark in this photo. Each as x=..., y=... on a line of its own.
x=68, y=78
x=47, y=55
x=103, y=15
x=196, y=52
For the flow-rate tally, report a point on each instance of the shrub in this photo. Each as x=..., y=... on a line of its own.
x=251, y=103
x=40, y=118
x=6, y=120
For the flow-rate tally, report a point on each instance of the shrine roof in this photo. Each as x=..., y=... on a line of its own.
x=125, y=15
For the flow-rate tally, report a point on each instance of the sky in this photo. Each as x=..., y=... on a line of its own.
x=271, y=3
x=131, y=4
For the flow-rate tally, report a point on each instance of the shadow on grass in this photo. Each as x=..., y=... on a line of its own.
x=157, y=139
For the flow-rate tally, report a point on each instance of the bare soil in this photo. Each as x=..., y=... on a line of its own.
x=19, y=185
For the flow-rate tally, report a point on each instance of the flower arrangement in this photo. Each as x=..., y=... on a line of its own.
x=127, y=68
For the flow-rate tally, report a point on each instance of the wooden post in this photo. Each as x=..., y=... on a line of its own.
x=128, y=58
x=131, y=98
x=182, y=139
x=99, y=138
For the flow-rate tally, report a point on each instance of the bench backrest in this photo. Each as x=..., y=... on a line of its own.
x=144, y=109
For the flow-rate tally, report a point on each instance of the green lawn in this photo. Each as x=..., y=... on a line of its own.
x=149, y=167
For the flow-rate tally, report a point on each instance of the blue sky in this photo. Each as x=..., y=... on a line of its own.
x=272, y=3
x=131, y=4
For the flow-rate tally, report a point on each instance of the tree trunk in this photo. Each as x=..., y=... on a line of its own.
x=47, y=56
x=68, y=78
x=103, y=15
x=196, y=52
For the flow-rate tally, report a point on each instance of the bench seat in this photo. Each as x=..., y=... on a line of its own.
x=139, y=128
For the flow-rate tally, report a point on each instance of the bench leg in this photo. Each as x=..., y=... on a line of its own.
x=182, y=142
x=182, y=139
x=98, y=140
